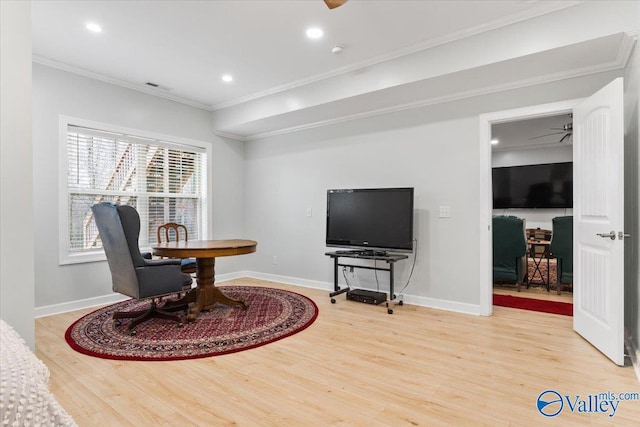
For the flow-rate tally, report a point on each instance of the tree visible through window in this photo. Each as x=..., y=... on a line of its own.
x=164, y=181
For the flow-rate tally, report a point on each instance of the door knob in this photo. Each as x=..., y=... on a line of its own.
x=611, y=235
x=622, y=235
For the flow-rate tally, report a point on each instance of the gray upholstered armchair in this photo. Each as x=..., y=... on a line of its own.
x=131, y=274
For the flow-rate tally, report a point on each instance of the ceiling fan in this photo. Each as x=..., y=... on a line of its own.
x=332, y=4
x=566, y=131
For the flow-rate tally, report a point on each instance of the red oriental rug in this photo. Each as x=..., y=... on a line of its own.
x=273, y=314
x=554, y=307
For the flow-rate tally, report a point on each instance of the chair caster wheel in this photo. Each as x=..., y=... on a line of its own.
x=333, y=300
x=390, y=311
x=400, y=302
x=180, y=324
x=132, y=333
x=117, y=322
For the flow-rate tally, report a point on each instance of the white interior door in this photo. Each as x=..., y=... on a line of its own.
x=598, y=209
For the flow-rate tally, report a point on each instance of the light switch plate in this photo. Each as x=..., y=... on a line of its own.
x=445, y=211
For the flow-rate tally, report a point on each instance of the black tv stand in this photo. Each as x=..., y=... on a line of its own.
x=387, y=257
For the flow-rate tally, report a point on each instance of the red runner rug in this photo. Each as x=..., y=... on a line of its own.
x=272, y=314
x=554, y=307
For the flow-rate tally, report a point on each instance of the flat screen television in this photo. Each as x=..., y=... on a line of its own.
x=378, y=219
x=548, y=185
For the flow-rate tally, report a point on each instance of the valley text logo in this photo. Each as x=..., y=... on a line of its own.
x=551, y=403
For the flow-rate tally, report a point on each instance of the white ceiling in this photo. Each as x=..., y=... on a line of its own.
x=539, y=133
x=186, y=46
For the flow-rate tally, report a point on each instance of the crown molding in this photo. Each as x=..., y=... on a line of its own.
x=487, y=90
x=628, y=41
x=544, y=9
x=101, y=77
x=229, y=135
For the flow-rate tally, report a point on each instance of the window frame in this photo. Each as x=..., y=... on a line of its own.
x=64, y=253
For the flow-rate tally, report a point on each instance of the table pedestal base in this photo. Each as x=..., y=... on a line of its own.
x=206, y=294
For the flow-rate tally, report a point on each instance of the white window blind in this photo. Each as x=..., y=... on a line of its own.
x=164, y=181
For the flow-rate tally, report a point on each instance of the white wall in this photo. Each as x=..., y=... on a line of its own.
x=16, y=166
x=433, y=149
x=534, y=218
x=532, y=156
x=58, y=93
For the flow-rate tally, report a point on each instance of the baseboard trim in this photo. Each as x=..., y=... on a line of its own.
x=426, y=302
x=221, y=278
x=438, y=304
x=50, y=310
x=287, y=280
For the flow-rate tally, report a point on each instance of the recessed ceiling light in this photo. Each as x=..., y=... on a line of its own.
x=314, y=33
x=494, y=141
x=228, y=78
x=93, y=27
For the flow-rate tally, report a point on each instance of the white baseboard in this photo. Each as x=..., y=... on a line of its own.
x=439, y=304
x=220, y=278
x=287, y=280
x=50, y=310
x=458, y=307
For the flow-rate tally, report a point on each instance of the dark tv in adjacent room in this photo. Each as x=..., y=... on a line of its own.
x=379, y=219
x=548, y=185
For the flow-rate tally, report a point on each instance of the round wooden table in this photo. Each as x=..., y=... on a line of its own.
x=205, y=295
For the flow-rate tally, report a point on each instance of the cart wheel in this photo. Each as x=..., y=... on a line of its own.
x=390, y=311
x=333, y=300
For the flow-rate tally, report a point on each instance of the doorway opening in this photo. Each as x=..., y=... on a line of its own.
x=598, y=203
x=532, y=182
x=536, y=118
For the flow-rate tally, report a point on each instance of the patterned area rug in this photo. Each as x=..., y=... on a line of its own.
x=539, y=276
x=273, y=314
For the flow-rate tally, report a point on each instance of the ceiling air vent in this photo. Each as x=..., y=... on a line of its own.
x=157, y=86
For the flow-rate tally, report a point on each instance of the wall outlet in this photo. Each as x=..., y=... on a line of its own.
x=275, y=260
x=445, y=211
x=309, y=212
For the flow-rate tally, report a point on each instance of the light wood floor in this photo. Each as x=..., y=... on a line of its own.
x=355, y=366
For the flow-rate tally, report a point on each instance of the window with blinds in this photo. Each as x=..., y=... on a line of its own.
x=164, y=181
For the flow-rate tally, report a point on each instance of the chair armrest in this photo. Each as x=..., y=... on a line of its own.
x=160, y=279
x=163, y=261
